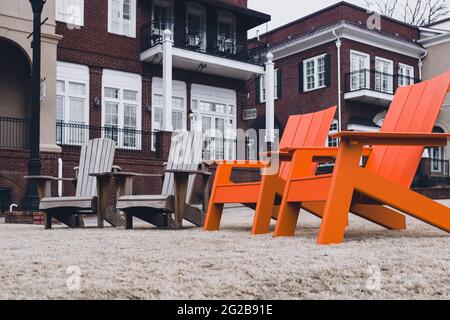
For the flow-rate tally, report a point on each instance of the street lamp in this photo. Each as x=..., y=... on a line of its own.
x=30, y=201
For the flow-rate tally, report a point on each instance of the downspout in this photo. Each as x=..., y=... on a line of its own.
x=421, y=64
x=338, y=47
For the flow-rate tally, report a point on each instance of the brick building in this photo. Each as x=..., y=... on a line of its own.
x=376, y=54
x=109, y=82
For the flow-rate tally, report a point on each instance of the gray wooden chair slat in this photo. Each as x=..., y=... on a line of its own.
x=96, y=157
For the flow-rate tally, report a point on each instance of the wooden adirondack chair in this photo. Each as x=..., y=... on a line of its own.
x=96, y=158
x=301, y=130
x=181, y=169
x=386, y=178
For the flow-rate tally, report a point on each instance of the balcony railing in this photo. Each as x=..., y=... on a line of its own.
x=14, y=133
x=197, y=38
x=136, y=141
x=434, y=167
x=366, y=79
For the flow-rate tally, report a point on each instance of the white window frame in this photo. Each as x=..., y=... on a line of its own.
x=390, y=73
x=367, y=67
x=316, y=73
x=73, y=73
x=221, y=96
x=228, y=18
x=123, y=81
x=70, y=13
x=262, y=86
x=132, y=33
x=410, y=80
x=333, y=129
x=179, y=90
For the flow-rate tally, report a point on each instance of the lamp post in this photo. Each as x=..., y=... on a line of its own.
x=30, y=201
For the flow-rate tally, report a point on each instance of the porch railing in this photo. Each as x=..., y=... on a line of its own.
x=366, y=79
x=14, y=133
x=130, y=140
x=201, y=39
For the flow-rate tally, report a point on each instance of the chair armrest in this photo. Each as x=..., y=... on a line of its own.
x=44, y=184
x=254, y=164
x=394, y=138
x=125, y=175
x=48, y=178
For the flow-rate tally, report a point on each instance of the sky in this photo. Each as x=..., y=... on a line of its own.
x=284, y=11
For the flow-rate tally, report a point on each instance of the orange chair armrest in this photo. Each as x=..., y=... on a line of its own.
x=240, y=164
x=394, y=138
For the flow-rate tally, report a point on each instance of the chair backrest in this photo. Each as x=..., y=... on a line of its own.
x=96, y=156
x=185, y=154
x=414, y=109
x=306, y=130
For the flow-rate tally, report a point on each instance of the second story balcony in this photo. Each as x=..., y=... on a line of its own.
x=210, y=50
x=374, y=87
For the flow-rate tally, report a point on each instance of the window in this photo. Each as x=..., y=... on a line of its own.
x=226, y=33
x=405, y=75
x=72, y=103
x=314, y=73
x=262, y=86
x=214, y=112
x=178, y=113
x=162, y=16
x=384, y=75
x=70, y=11
x=121, y=114
x=437, y=156
x=359, y=71
x=333, y=142
x=122, y=17
x=196, y=26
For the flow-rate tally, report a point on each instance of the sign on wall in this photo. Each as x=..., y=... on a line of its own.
x=250, y=114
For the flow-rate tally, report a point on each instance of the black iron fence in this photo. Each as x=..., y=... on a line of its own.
x=132, y=140
x=366, y=79
x=14, y=133
x=206, y=40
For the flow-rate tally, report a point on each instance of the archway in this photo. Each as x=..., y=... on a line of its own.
x=15, y=95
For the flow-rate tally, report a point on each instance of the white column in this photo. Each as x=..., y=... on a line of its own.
x=270, y=98
x=338, y=46
x=167, y=79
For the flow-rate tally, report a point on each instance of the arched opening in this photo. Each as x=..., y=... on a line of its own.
x=15, y=95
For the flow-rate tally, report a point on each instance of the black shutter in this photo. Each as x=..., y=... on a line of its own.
x=258, y=90
x=328, y=70
x=279, y=83
x=300, y=76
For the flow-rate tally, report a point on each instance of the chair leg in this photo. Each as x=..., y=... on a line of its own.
x=48, y=220
x=287, y=218
x=128, y=221
x=265, y=205
x=335, y=216
x=214, y=215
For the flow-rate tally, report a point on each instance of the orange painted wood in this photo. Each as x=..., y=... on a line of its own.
x=388, y=174
x=301, y=130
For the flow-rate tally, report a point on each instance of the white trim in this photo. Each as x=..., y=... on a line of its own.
x=435, y=40
x=384, y=74
x=133, y=14
x=347, y=31
x=316, y=77
x=408, y=67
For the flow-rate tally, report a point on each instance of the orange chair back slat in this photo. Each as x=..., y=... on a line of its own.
x=307, y=130
x=414, y=109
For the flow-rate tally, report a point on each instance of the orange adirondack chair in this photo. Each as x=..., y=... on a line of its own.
x=301, y=130
x=385, y=180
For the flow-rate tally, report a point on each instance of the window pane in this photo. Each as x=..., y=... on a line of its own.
x=130, y=95
x=60, y=108
x=60, y=87
x=157, y=101
x=111, y=113
x=129, y=116
x=116, y=16
x=77, y=89
x=112, y=93
x=177, y=120
x=178, y=103
x=76, y=110
x=158, y=119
